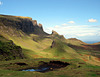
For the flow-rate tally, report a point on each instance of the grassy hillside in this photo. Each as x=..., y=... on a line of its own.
x=9, y=51
x=77, y=68
x=25, y=32
x=21, y=37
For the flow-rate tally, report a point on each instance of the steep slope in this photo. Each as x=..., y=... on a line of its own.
x=35, y=43
x=22, y=31
x=9, y=51
x=61, y=50
x=25, y=24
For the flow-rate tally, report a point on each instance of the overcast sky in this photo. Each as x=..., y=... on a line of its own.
x=71, y=18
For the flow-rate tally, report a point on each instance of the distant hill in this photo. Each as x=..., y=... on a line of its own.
x=91, y=42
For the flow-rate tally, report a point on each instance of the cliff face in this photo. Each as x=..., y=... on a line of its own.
x=26, y=24
x=38, y=29
x=13, y=27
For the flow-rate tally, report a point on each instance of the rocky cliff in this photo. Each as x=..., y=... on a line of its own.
x=25, y=24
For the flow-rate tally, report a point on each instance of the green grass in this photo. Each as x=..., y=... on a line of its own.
x=61, y=49
x=85, y=70
x=8, y=50
x=37, y=48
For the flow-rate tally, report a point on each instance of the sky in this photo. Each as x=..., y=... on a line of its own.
x=72, y=18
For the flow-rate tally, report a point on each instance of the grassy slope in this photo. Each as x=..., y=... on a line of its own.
x=40, y=48
x=72, y=70
x=62, y=50
x=8, y=50
x=35, y=46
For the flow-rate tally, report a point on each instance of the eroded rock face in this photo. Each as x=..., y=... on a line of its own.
x=25, y=24
x=34, y=22
x=54, y=32
x=40, y=25
x=53, y=44
x=20, y=24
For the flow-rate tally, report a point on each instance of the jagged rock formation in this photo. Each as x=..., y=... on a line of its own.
x=54, y=32
x=55, y=35
x=28, y=34
x=26, y=24
x=38, y=29
x=53, y=44
x=34, y=22
x=40, y=25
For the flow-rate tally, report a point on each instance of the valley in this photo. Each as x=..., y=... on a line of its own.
x=23, y=40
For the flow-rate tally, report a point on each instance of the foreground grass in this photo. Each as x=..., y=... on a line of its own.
x=77, y=68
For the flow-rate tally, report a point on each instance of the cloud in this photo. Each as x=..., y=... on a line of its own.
x=1, y=3
x=92, y=20
x=71, y=22
x=98, y=34
x=76, y=31
x=57, y=26
x=85, y=34
x=64, y=24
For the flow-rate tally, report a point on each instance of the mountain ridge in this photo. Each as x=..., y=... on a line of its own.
x=36, y=43
x=26, y=24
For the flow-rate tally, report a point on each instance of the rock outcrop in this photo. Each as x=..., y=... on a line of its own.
x=53, y=44
x=25, y=24
x=34, y=22
x=54, y=32
x=40, y=25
